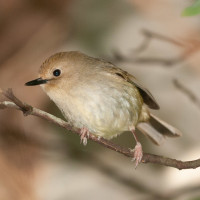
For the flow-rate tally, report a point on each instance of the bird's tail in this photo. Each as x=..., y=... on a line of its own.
x=156, y=129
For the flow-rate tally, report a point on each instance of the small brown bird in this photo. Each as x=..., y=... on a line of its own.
x=100, y=98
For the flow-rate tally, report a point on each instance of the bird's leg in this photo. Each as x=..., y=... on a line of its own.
x=84, y=133
x=137, y=151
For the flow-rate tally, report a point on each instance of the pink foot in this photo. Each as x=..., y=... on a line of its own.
x=138, y=154
x=84, y=135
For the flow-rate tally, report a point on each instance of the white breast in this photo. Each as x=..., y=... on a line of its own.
x=105, y=109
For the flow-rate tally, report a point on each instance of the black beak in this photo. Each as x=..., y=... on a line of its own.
x=37, y=81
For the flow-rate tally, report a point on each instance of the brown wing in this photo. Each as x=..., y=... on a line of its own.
x=146, y=95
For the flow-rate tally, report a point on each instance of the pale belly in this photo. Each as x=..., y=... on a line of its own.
x=106, y=112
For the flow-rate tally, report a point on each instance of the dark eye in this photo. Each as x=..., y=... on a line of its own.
x=56, y=72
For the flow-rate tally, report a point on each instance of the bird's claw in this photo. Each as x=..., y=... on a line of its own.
x=84, y=135
x=137, y=154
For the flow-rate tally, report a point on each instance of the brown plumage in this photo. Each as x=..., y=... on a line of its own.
x=98, y=97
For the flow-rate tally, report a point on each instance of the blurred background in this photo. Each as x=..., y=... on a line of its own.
x=151, y=40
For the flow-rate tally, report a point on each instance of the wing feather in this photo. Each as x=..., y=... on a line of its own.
x=148, y=98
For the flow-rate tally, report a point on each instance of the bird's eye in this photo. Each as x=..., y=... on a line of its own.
x=56, y=72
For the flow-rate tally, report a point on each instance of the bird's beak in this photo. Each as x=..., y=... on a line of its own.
x=37, y=81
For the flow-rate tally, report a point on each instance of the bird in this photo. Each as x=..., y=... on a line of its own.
x=100, y=98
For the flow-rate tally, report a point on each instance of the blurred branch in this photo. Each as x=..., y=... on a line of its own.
x=15, y=103
x=118, y=57
x=153, y=35
x=189, y=47
x=149, y=35
x=187, y=92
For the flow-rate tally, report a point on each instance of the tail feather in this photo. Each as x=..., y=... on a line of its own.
x=155, y=136
x=156, y=129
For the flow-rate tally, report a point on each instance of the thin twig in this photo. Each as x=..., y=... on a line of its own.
x=166, y=62
x=26, y=109
x=15, y=103
x=187, y=92
x=151, y=34
x=189, y=48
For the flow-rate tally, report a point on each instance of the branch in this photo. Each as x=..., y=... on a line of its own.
x=154, y=35
x=187, y=92
x=189, y=48
x=165, y=62
x=15, y=103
